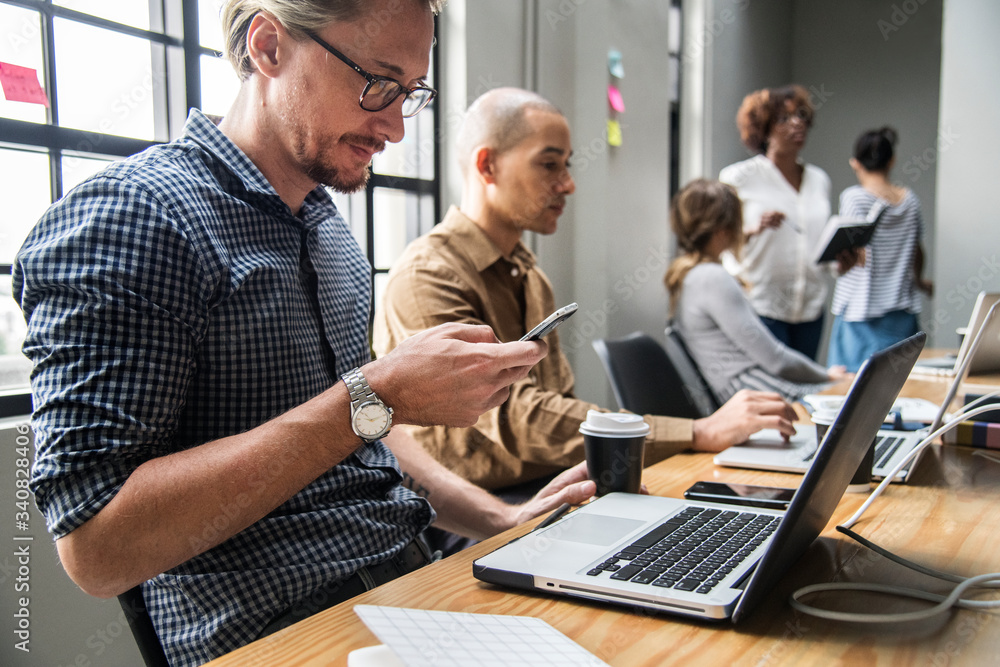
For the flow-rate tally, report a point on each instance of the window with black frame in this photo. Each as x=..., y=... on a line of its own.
x=86, y=82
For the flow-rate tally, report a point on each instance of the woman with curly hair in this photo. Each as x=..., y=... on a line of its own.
x=710, y=311
x=786, y=204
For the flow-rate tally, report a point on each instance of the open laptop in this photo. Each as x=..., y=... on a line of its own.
x=767, y=450
x=986, y=358
x=623, y=548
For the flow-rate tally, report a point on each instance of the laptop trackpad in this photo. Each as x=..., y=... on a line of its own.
x=593, y=529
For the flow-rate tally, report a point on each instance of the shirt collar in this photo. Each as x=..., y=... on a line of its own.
x=478, y=246
x=201, y=130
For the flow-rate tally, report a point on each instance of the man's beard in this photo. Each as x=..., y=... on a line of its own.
x=331, y=177
x=319, y=170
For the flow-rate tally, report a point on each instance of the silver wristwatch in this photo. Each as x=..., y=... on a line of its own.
x=371, y=419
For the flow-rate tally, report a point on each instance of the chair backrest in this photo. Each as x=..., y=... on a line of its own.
x=141, y=624
x=643, y=378
x=694, y=383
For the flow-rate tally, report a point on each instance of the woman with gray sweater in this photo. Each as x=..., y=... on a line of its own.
x=731, y=346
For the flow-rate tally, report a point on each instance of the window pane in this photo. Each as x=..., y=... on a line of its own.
x=209, y=25
x=21, y=44
x=414, y=155
x=14, y=366
x=24, y=189
x=127, y=12
x=353, y=208
x=378, y=290
x=219, y=85
x=400, y=217
x=92, y=100
x=77, y=169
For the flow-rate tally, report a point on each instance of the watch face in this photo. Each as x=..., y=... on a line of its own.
x=371, y=420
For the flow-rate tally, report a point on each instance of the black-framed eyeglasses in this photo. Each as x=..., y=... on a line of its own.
x=801, y=113
x=382, y=91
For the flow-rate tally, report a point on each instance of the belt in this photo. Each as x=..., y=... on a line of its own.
x=414, y=555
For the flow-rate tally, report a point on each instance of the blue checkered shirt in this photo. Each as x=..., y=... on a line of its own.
x=166, y=308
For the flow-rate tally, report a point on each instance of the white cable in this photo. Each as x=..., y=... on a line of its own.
x=945, y=602
x=960, y=417
x=984, y=397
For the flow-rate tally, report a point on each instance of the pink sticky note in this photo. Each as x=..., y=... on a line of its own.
x=20, y=84
x=615, y=97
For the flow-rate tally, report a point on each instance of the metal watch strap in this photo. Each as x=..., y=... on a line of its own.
x=357, y=387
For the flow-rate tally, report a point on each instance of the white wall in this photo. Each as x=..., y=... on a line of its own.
x=965, y=160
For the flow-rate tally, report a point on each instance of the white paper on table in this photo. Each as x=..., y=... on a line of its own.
x=442, y=638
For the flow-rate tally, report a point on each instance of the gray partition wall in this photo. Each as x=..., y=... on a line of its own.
x=45, y=620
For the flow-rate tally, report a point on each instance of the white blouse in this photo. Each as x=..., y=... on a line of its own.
x=785, y=283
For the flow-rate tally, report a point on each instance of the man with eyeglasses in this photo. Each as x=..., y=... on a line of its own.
x=209, y=423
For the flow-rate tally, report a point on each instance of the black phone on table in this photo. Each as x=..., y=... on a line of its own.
x=550, y=322
x=770, y=497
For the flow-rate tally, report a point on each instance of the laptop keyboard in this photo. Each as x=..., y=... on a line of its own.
x=885, y=447
x=692, y=551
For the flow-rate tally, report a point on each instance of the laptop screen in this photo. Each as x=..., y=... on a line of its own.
x=870, y=398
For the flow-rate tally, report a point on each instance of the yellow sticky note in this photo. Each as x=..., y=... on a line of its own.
x=614, y=133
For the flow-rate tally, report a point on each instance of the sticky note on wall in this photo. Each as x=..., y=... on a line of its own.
x=20, y=84
x=615, y=98
x=614, y=133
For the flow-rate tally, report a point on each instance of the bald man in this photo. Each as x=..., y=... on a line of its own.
x=514, y=153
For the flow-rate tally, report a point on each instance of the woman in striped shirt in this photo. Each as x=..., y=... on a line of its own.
x=876, y=299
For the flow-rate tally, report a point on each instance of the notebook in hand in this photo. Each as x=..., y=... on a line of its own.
x=707, y=560
x=841, y=233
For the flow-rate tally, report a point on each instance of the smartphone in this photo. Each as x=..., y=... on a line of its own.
x=551, y=322
x=770, y=497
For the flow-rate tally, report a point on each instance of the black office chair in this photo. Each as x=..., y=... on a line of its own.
x=141, y=624
x=644, y=380
x=695, y=385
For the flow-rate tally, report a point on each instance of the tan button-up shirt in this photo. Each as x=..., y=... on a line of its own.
x=456, y=274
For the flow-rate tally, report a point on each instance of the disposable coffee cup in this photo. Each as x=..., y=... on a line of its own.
x=822, y=418
x=862, y=480
x=614, y=443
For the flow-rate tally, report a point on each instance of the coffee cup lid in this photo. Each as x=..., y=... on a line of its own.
x=614, y=424
x=824, y=416
x=827, y=403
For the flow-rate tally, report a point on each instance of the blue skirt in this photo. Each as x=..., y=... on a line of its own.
x=853, y=342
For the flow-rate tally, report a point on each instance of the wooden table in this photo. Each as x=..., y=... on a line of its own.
x=947, y=517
